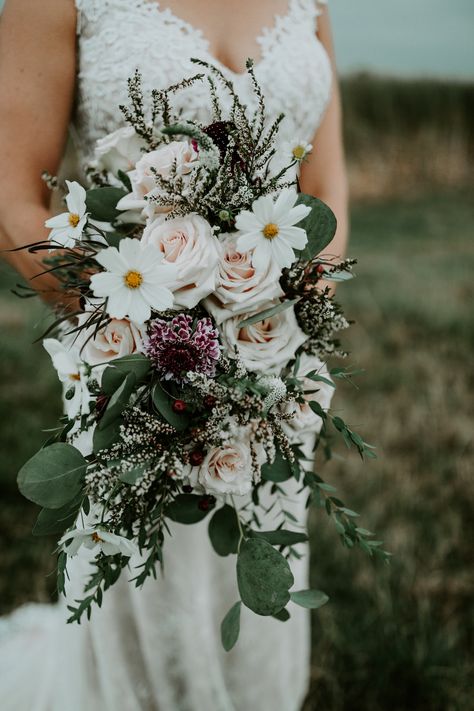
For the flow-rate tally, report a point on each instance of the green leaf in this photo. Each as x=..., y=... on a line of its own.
x=314, y=375
x=337, y=276
x=185, y=509
x=280, y=537
x=102, y=203
x=317, y=409
x=263, y=576
x=118, y=402
x=224, y=531
x=279, y=471
x=105, y=437
x=320, y=226
x=283, y=615
x=230, y=627
x=57, y=521
x=268, y=313
x=163, y=403
x=112, y=379
x=136, y=363
x=53, y=476
x=311, y=599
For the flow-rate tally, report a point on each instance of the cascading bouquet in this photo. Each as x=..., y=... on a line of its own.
x=193, y=372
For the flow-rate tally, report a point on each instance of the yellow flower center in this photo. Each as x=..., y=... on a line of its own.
x=96, y=538
x=133, y=279
x=74, y=376
x=74, y=219
x=299, y=152
x=270, y=231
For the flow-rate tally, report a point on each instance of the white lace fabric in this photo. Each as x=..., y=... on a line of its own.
x=159, y=649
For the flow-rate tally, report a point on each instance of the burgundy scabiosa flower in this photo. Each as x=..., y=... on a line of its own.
x=182, y=345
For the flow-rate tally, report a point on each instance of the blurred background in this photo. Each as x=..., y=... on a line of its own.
x=398, y=637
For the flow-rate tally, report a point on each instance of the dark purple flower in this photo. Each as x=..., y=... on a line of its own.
x=183, y=345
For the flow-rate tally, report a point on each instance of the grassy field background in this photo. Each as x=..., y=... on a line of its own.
x=392, y=638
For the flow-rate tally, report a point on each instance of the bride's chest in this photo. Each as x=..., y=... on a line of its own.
x=116, y=37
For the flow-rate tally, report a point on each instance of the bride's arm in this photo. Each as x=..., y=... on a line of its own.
x=324, y=174
x=37, y=74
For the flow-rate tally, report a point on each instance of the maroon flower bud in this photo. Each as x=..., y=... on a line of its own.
x=320, y=268
x=206, y=503
x=196, y=457
x=101, y=404
x=179, y=406
x=187, y=489
x=209, y=401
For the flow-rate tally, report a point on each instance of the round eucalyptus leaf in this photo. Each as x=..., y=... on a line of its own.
x=185, y=509
x=263, y=576
x=224, y=531
x=53, y=476
x=311, y=599
x=230, y=627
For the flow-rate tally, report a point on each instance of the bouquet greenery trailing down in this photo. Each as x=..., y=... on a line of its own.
x=194, y=370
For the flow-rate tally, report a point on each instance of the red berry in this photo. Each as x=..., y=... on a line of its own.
x=209, y=401
x=196, y=457
x=320, y=268
x=206, y=503
x=187, y=489
x=179, y=406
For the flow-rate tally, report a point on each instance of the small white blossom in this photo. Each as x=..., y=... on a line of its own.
x=298, y=150
x=270, y=229
x=108, y=543
x=72, y=372
x=135, y=281
x=68, y=227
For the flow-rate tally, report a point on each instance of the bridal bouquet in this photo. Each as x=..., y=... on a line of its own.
x=193, y=370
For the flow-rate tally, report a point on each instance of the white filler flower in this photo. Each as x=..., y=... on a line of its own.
x=135, y=281
x=67, y=227
x=269, y=229
x=108, y=543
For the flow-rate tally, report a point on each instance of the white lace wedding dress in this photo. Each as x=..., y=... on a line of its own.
x=158, y=648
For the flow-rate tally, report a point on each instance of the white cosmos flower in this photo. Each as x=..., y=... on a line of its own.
x=72, y=373
x=68, y=227
x=135, y=281
x=108, y=543
x=269, y=229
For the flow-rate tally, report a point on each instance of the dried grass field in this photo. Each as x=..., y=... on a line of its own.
x=391, y=638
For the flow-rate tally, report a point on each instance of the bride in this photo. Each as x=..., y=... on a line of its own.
x=155, y=649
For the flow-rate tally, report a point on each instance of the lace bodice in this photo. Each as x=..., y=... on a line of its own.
x=115, y=37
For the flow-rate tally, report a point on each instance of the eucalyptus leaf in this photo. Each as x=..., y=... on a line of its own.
x=118, y=402
x=112, y=379
x=311, y=599
x=263, y=576
x=136, y=363
x=320, y=226
x=268, y=313
x=163, y=403
x=53, y=476
x=281, y=537
x=185, y=509
x=56, y=521
x=337, y=276
x=104, y=438
x=280, y=470
x=230, y=627
x=102, y=203
x=224, y=531
x=283, y=615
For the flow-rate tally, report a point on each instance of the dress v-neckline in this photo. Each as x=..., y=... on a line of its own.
x=190, y=28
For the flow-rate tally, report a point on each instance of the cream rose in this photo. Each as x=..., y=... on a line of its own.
x=188, y=243
x=120, y=337
x=119, y=150
x=304, y=420
x=240, y=286
x=226, y=470
x=177, y=154
x=267, y=345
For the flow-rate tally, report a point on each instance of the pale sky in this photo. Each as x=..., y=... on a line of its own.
x=407, y=37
